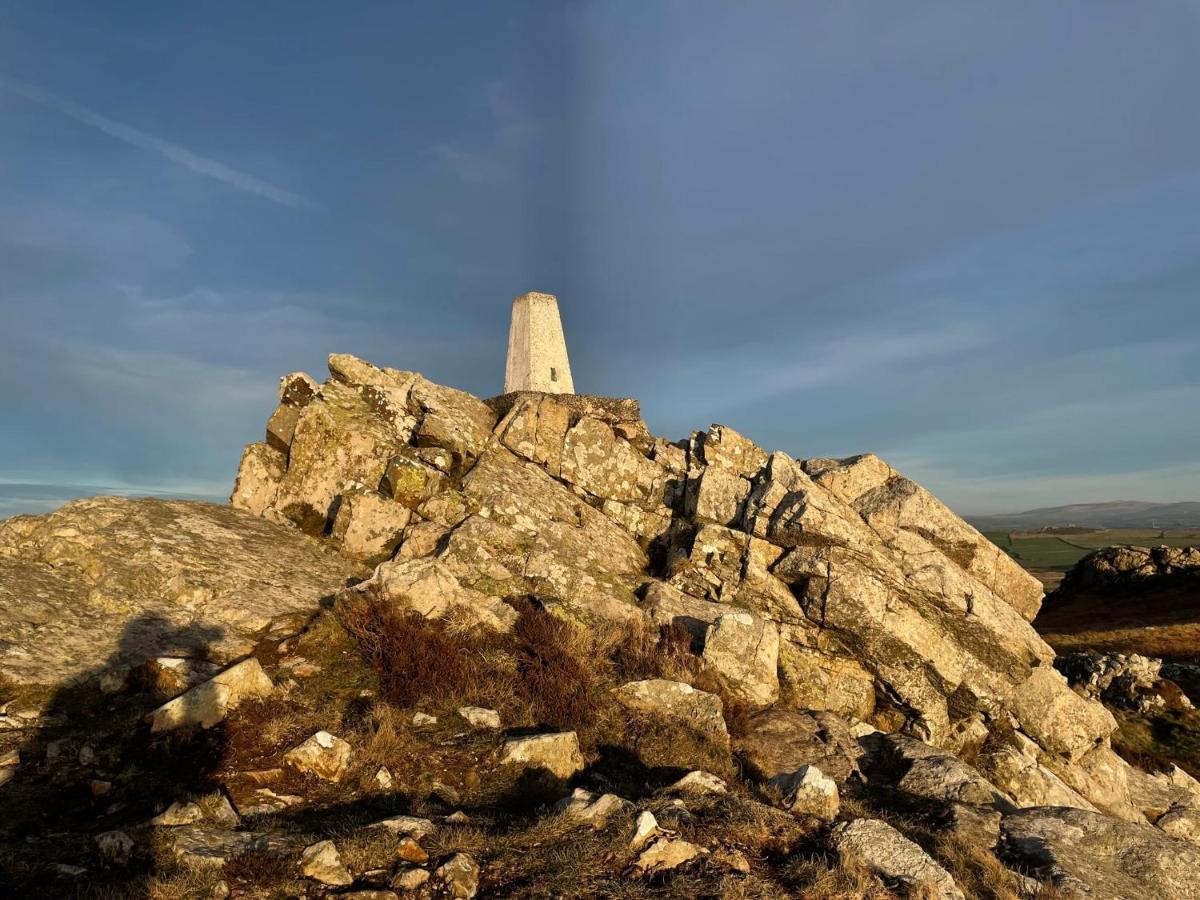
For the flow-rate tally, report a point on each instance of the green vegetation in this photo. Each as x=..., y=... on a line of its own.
x=1059, y=552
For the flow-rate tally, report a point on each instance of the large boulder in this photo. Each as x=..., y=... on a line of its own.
x=108, y=583
x=557, y=753
x=894, y=506
x=209, y=702
x=924, y=771
x=1088, y=854
x=1011, y=761
x=1125, y=565
x=1057, y=718
x=1127, y=681
x=779, y=742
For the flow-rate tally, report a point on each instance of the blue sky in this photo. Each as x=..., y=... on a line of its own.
x=964, y=236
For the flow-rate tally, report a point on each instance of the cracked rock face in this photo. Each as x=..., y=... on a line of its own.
x=823, y=584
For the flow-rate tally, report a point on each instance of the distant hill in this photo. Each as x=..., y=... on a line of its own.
x=32, y=499
x=1113, y=514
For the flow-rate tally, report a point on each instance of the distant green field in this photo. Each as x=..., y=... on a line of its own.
x=1060, y=552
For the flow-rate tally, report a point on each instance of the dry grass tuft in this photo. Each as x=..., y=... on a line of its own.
x=560, y=686
x=545, y=672
x=976, y=870
x=640, y=651
x=820, y=877
x=263, y=869
x=1154, y=741
x=417, y=659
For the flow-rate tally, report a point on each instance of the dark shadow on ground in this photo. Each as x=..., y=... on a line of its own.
x=91, y=765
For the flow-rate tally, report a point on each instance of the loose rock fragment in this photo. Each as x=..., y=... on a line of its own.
x=322, y=755
x=116, y=847
x=557, y=754
x=666, y=854
x=321, y=862
x=478, y=717
x=644, y=829
x=460, y=874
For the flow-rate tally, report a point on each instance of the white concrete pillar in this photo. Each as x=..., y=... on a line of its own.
x=537, y=350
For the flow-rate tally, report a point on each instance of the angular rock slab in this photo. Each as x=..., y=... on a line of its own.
x=208, y=703
x=742, y=649
x=888, y=853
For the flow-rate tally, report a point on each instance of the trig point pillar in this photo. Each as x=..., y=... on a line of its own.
x=537, y=350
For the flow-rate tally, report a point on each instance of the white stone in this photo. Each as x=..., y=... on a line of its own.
x=586, y=808
x=697, y=783
x=644, y=828
x=478, y=717
x=809, y=791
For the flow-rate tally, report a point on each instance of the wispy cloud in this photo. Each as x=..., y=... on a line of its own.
x=772, y=369
x=184, y=157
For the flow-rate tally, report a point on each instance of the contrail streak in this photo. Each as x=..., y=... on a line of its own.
x=173, y=152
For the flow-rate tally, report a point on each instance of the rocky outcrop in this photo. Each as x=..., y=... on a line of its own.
x=1132, y=681
x=105, y=584
x=821, y=584
x=1126, y=565
x=923, y=771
